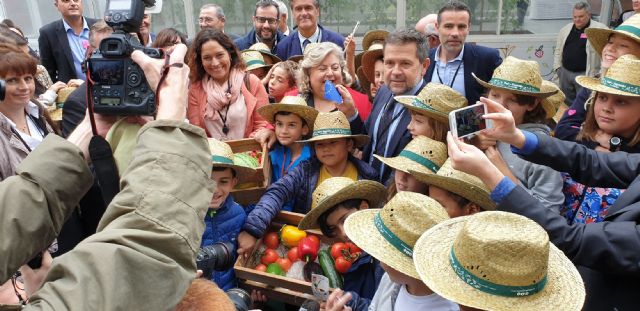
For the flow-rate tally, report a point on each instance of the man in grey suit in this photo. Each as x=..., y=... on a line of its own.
x=63, y=43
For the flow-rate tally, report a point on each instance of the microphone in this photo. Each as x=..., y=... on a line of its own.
x=310, y=305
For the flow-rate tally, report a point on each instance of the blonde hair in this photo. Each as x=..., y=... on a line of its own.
x=313, y=56
x=590, y=126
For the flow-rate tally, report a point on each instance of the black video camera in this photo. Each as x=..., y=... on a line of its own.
x=119, y=86
x=215, y=257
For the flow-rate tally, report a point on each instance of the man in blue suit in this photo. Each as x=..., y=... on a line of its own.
x=405, y=62
x=265, y=27
x=306, y=14
x=454, y=60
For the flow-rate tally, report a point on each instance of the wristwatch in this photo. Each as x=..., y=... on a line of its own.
x=614, y=143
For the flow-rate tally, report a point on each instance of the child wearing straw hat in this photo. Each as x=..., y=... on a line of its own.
x=613, y=115
x=333, y=201
x=333, y=143
x=389, y=234
x=517, y=85
x=421, y=154
x=497, y=261
x=255, y=63
x=292, y=120
x=430, y=110
x=225, y=217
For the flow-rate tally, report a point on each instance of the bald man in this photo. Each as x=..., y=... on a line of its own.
x=427, y=26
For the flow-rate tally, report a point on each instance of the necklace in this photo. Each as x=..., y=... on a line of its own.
x=225, y=128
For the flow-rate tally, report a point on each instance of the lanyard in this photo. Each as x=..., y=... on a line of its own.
x=455, y=75
x=284, y=162
x=43, y=131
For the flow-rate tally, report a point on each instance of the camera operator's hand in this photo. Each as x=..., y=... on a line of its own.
x=173, y=93
x=33, y=279
x=246, y=243
x=338, y=300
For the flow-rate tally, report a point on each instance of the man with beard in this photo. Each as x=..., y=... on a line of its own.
x=265, y=23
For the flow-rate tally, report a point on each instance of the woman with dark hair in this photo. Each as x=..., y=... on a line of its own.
x=223, y=97
x=168, y=38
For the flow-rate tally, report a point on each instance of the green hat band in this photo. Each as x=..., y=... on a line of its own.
x=514, y=85
x=621, y=86
x=256, y=62
x=391, y=237
x=221, y=159
x=331, y=131
x=420, y=160
x=492, y=288
x=630, y=29
x=419, y=104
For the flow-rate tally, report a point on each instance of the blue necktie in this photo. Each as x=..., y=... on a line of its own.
x=304, y=44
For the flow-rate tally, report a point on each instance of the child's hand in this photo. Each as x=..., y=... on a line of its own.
x=265, y=80
x=374, y=90
x=348, y=106
x=246, y=243
x=338, y=300
x=350, y=46
x=482, y=141
x=504, y=127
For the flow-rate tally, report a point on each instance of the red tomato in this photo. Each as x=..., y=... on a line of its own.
x=271, y=240
x=284, y=263
x=342, y=265
x=261, y=267
x=337, y=250
x=293, y=254
x=270, y=256
x=353, y=248
x=315, y=240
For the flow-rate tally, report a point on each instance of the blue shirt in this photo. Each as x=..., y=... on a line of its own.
x=315, y=38
x=450, y=73
x=78, y=45
x=505, y=186
x=281, y=164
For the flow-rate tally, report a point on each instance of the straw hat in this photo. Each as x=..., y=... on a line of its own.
x=599, y=37
x=369, y=58
x=552, y=103
x=622, y=78
x=332, y=125
x=497, y=261
x=222, y=156
x=336, y=190
x=422, y=154
x=517, y=76
x=389, y=234
x=254, y=60
x=55, y=110
x=293, y=104
x=374, y=36
x=434, y=101
x=460, y=183
x=269, y=57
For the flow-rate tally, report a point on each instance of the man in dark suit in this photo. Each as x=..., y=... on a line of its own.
x=63, y=43
x=265, y=27
x=454, y=60
x=145, y=31
x=306, y=14
x=405, y=58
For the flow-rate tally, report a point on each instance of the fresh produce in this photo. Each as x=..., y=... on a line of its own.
x=270, y=256
x=261, y=267
x=308, y=249
x=271, y=240
x=291, y=235
x=275, y=268
x=311, y=268
x=339, y=249
x=349, y=251
x=342, y=265
x=315, y=239
x=326, y=262
x=245, y=159
x=284, y=263
x=354, y=249
x=293, y=254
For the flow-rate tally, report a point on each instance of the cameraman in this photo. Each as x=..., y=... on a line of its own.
x=151, y=231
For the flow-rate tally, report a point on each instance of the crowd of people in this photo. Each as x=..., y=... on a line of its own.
x=537, y=211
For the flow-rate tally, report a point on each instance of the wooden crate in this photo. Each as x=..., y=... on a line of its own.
x=288, y=290
x=255, y=186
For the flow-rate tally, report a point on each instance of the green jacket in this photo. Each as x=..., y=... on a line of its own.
x=143, y=255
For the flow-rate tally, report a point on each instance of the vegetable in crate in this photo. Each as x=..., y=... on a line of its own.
x=308, y=249
x=284, y=263
x=270, y=256
x=271, y=240
x=291, y=235
x=275, y=268
x=245, y=160
x=326, y=262
x=293, y=254
x=261, y=267
x=311, y=268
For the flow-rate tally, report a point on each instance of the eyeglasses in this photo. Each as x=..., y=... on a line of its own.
x=206, y=19
x=262, y=20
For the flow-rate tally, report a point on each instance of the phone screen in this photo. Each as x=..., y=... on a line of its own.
x=469, y=120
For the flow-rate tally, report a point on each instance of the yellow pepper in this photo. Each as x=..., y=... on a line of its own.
x=291, y=235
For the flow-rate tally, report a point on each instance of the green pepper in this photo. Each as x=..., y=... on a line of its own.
x=275, y=268
x=291, y=235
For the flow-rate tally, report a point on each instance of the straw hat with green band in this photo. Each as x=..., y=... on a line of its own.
x=435, y=101
x=389, y=234
x=517, y=76
x=622, y=78
x=460, y=183
x=336, y=190
x=422, y=154
x=269, y=57
x=598, y=37
x=253, y=60
x=333, y=125
x=222, y=156
x=552, y=103
x=293, y=104
x=497, y=261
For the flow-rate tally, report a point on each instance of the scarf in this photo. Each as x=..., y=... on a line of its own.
x=218, y=96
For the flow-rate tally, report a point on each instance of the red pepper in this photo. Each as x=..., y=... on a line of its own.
x=308, y=249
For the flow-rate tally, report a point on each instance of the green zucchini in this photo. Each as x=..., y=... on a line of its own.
x=326, y=262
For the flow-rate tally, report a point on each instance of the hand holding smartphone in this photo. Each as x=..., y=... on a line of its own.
x=467, y=121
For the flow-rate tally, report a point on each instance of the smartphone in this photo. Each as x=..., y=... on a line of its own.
x=467, y=121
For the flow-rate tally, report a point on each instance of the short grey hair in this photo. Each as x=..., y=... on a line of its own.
x=582, y=5
x=430, y=29
x=313, y=56
x=219, y=10
x=282, y=8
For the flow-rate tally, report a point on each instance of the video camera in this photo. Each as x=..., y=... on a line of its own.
x=119, y=86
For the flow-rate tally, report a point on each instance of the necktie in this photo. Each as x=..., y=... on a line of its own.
x=304, y=44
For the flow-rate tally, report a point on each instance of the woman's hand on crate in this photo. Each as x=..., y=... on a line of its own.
x=337, y=301
x=266, y=137
x=246, y=243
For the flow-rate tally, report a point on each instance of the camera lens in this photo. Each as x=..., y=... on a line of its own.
x=215, y=257
x=240, y=298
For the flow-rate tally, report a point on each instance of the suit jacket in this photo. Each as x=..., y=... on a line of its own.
x=607, y=254
x=55, y=53
x=478, y=59
x=399, y=138
x=290, y=45
x=248, y=40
